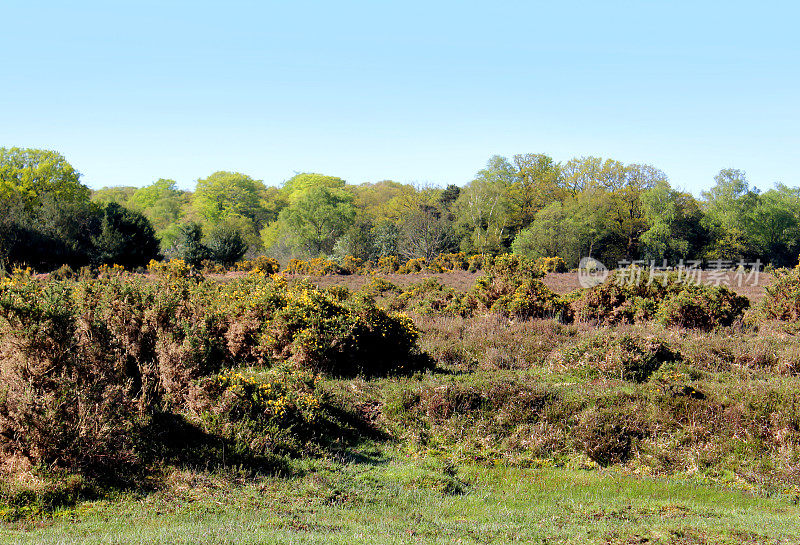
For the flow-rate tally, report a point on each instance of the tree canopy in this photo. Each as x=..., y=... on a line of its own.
x=530, y=204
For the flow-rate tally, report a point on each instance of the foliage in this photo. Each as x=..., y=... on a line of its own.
x=782, y=301
x=188, y=245
x=511, y=286
x=226, y=244
x=87, y=364
x=29, y=174
x=275, y=413
x=627, y=297
x=125, y=237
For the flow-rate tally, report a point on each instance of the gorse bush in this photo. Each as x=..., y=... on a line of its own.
x=628, y=296
x=511, y=287
x=702, y=307
x=273, y=413
x=86, y=364
x=783, y=297
x=429, y=297
x=319, y=266
x=262, y=264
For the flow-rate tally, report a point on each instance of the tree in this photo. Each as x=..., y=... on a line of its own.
x=425, y=233
x=538, y=183
x=373, y=200
x=226, y=244
x=483, y=208
x=118, y=194
x=626, y=217
x=674, y=218
x=29, y=174
x=125, y=238
x=581, y=174
x=188, y=244
x=774, y=225
x=298, y=184
x=729, y=205
x=161, y=202
x=568, y=230
x=226, y=194
x=449, y=196
x=314, y=220
x=358, y=241
x=386, y=238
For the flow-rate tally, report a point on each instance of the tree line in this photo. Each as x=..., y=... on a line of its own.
x=530, y=205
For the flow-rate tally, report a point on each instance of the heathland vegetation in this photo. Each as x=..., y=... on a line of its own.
x=330, y=363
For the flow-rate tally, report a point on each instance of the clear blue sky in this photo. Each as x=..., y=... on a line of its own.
x=414, y=91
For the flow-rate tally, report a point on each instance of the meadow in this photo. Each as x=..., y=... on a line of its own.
x=501, y=405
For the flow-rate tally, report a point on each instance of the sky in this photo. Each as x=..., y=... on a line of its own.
x=421, y=92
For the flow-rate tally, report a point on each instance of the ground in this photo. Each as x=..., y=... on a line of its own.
x=390, y=498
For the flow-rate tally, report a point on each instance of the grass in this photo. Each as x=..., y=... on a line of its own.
x=389, y=498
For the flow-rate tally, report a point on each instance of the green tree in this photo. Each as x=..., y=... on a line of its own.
x=226, y=244
x=426, y=232
x=538, y=183
x=674, y=218
x=118, y=194
x=29, y=174
x=774, y=225
x=483, y=208
x=729, y=207
x=374, y=200
x=125, y=237
x=314, y=220
x=189, y=245
x=226, y=194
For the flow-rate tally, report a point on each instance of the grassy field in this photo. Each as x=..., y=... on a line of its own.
x=389, y=498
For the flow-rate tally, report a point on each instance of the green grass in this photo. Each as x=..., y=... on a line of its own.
x=397, y=499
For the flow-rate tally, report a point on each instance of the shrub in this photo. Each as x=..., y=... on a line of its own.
x=343, y=339
x=513, y=266
x=413, y=266
x=702, y=307
x=212, y=267
x=318, y=266
x=551, y=264
x=262, y=263
x=451, y=262
x=626, y=356
x=607, y=434
x=782, y=301
x=86, y=365
x=475, y=263
x=430, y=297
x=174, y=269
x=511, y=287
x=274, y=413
x=64, y=272
x=388, y=264
x=627, y=297
x=350, y=264
x=65, y=398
